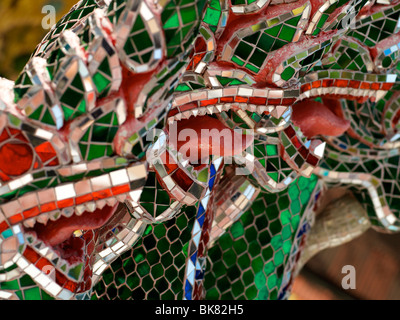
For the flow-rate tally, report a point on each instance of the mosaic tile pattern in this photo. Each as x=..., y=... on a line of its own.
x=99, y=202
x=260, y=246
x=250, y=49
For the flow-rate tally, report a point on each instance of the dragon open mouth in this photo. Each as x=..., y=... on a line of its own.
x=66, y=234
x=203, y=136
x=71, y=226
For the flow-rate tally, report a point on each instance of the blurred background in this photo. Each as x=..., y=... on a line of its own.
x=376, y=259
x=375, y=256
x=21, y=30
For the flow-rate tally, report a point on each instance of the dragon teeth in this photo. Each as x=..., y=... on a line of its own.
x=39, y=245
x=55, y=215
x=90, y=206
x=100, y=204
x=43, y=218
x=29, y=223
x=111, y=201
x=31, y=237
x=44, y=251
x=262, y=109
x=50, y=255
x=186, y=114
x=252, y=108
x=121, y=197
x=79, y=210
x=202, y=111
x=68, y=212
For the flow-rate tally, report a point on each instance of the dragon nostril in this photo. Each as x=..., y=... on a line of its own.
x=15, y=158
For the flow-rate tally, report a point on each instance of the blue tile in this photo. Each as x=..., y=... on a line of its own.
x=200, y=211
x=303, y=229
x=211, y=183
x=199, y=275
x=188, y=290
x=201, y=220
x=212, y=170
x=193, y=258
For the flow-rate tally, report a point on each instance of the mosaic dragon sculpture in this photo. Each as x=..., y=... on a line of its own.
x=100, y=197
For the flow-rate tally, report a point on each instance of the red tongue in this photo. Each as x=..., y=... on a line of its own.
x=56, y=232
x=197, y=138
x=315, y=118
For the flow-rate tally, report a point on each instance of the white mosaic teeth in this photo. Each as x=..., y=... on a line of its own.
x=55, y=215
x=221, y=108
x=43, y=218
x=111, y=201
x=90, y=206
x=101, y=203
x=317, y=92
x=67, y=212
x=218, y=108
x=121, y=197
x=79, y=210
x=29, y=223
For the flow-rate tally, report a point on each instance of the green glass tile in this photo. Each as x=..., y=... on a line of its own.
x=248, y=277
x=244, y=262
x=173, y=21
x=288, y=73
x=48, y=118
x=32, y=294
x=287, y=246
x=260, y=280
x=237, y=61
x=287, y=33
x=251, y=293
x=124, y=293
x=96, y=152
x=68, y=112
x=142, y=41
x=101, y=82
x=10, y=285
x=37, y=113
x=257, y=58
x=243, y=50
x=212, y=17
x=278, y=258
x=274, y=31
x=45, y=295
x=274, y=175
x=276, y=242
x=237, y=230
x=240, y=246
x=272, y=150
x=252, y=68
x=272, y=281
x=230, y=258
